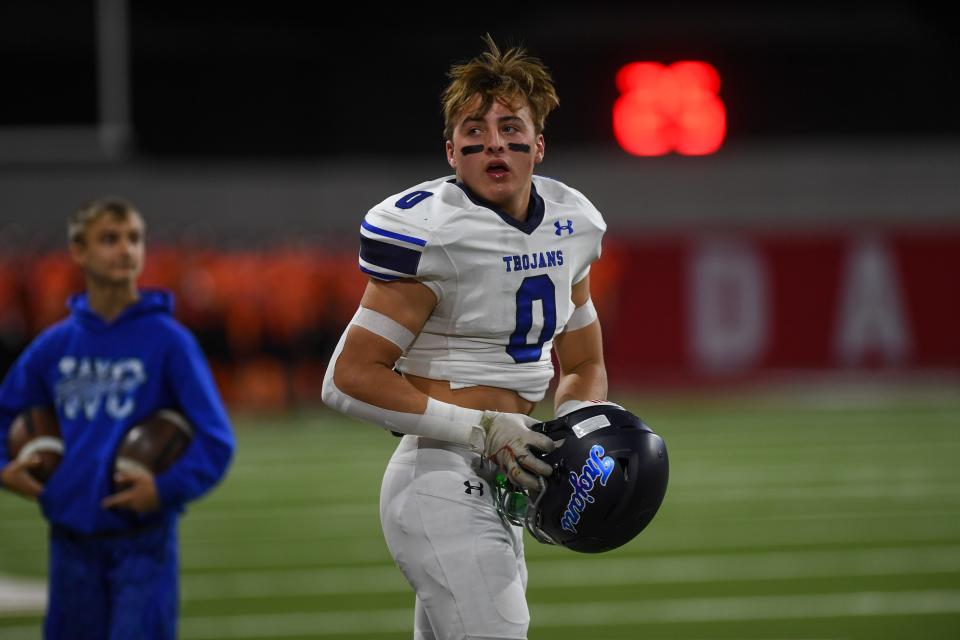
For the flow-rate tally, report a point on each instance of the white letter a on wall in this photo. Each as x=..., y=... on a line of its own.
x=872, y=322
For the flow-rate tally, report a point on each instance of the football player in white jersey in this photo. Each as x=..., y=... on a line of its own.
x=474, y=278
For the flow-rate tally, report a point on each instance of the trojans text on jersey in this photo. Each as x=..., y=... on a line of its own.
x=535, y=260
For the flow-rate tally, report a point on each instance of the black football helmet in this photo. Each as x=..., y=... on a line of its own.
x=609, y=477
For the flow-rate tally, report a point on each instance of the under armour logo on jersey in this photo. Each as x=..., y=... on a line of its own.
x=470, y=487
x=561, y=227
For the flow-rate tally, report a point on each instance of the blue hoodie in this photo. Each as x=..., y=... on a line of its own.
x=103, y=378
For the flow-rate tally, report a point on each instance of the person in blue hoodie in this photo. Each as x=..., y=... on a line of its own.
x=118, y=358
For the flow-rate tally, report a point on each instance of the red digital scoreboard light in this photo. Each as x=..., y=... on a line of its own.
x=665, y=109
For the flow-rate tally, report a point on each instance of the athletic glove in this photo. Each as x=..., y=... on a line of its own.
x=508, y=441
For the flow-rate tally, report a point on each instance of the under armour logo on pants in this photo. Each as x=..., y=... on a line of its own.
x=470, y=487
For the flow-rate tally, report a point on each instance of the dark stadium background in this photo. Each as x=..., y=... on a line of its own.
x=811, y=415
x=302, y=79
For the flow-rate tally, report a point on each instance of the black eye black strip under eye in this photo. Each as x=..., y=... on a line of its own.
x=515, y=146
x=473, y=148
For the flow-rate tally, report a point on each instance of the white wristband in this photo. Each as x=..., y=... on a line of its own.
x=459, y=416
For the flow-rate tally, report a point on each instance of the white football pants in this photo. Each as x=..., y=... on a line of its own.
x=442, y=528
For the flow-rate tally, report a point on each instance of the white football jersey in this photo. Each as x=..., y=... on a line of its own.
x=503, y=287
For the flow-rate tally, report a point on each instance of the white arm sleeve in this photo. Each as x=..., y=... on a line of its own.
x=440, y=421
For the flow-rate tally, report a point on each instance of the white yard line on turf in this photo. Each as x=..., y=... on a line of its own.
x=22, y=595
x=596, y=572
x=589, y=614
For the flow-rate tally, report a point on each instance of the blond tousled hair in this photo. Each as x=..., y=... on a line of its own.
x=91, y=211
x=510, y=77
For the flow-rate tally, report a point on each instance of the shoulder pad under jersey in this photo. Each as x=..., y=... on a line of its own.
x=395, y=233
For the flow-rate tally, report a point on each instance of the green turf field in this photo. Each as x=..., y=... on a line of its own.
x=785, y=518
